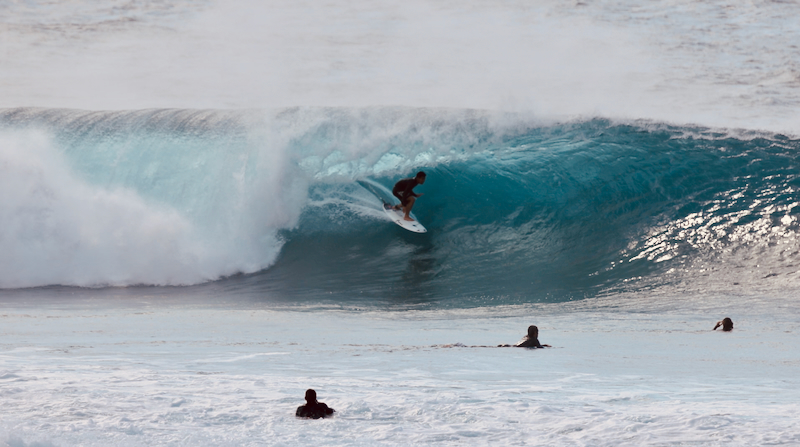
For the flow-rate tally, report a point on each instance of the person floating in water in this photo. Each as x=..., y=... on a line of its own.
x=529, y=341
x=313, y=409
x=404, y=190
x=726, y=323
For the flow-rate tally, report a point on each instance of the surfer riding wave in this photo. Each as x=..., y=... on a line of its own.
x=404, y=190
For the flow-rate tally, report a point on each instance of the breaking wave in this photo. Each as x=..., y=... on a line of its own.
x=517, y=209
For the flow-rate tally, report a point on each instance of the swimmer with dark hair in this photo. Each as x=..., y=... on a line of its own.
x=313, y=409
x=726, y=323
x=529, y=341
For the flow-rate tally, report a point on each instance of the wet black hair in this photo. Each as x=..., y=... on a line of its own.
x=420, y=174
x=726, y=323
x=311, y=395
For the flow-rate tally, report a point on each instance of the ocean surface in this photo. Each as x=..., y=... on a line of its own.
x=192, y=234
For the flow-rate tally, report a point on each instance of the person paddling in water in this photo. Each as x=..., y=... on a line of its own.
x=313, y=409
x=404, y=190
x=529, y=341
x=726, y=323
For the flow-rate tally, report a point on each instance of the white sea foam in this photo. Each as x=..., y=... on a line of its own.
x=59, y=229
x=713, y=63
x=180, y=375
x=625, y=370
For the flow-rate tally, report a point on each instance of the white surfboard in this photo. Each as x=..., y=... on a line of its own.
x=397, y=217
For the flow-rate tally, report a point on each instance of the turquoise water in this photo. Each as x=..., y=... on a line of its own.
x=187, y=245
x=518, y=211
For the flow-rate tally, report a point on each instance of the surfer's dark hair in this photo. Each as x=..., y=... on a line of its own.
x=311, y=395
x=420, y=174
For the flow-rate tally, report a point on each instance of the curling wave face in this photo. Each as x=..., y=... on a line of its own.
x=518, y=210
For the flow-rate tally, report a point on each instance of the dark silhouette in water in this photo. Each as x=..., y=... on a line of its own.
x=313, y=409
x=726, y=323
x=529, y=341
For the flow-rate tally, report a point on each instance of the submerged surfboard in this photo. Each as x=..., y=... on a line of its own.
x=397, y=217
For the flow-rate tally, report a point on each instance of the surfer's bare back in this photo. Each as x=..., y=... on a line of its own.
x=404, y=190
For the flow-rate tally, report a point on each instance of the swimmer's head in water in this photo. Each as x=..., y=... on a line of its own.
x=311, y=396
x=533, y=331
x=726, y=323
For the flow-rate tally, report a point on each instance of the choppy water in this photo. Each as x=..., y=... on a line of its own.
x=185, y=184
